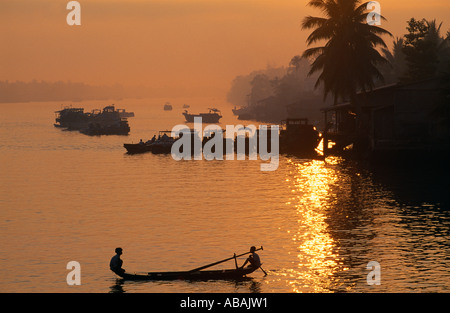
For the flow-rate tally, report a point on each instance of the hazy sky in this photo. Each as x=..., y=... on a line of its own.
x=199, y=45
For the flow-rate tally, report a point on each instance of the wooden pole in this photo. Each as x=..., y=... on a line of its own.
x=224, y=260
x=325, y=137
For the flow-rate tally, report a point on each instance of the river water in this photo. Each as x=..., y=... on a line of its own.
x=65, y=196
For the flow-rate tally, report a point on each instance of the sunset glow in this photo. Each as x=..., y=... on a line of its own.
x=210, y=147
x=192, y=47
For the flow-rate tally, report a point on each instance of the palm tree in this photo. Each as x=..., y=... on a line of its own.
x=427, y=52
x=348, y=61
x=397, y=63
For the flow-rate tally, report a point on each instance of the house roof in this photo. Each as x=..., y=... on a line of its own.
x=337, y=107
x=395, y=86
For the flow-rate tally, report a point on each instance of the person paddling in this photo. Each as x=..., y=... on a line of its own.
x=116, y=262
x=253, y=259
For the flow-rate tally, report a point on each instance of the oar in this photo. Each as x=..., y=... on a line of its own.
x=224, y=260
x=265, y=273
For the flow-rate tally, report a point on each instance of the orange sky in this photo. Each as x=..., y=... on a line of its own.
x=197, y=45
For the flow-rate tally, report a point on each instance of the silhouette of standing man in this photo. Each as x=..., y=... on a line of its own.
x=116, y=262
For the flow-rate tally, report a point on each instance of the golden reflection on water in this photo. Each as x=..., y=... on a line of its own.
x=317, y=259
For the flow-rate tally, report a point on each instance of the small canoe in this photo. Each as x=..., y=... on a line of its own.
x=228, y=274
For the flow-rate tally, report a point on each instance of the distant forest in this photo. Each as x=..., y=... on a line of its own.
x=274, y=94
x=18, y=91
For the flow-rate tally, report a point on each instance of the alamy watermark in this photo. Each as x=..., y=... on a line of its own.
x=74, y=276
x=74, y=16
x=190, y=144
x=374, y=276
x=374, y=16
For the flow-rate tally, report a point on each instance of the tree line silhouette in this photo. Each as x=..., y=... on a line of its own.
x=353, y=58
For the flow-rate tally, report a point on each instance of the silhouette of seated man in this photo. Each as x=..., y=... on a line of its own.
x=253, y=259
x=116, y=262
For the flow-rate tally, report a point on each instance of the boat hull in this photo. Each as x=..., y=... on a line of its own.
x=206, y=117
x=133, y=148
x=96, y=129
x=229, y=274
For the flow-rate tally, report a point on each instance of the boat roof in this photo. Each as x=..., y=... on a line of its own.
x=70, y=108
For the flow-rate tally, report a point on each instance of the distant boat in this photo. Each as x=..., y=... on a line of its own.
x=242, y=113
x=213, y=116
x=186, y=106
x=162, y=144
x=108, y=122
x=135, y=148
x=167, y=107
x=236, y=111
x=105, y=122
x=71, y=118
x=124, y=113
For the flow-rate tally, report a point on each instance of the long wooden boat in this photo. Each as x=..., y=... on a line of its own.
x=133, y=148
x=213, y=116
x=227, y=274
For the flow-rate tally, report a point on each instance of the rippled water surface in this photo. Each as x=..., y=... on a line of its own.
x=65, y=196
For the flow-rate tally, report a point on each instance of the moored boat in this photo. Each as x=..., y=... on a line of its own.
x=106, y=122
x=72, y=118
x=299, y=137
x=243, y=113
